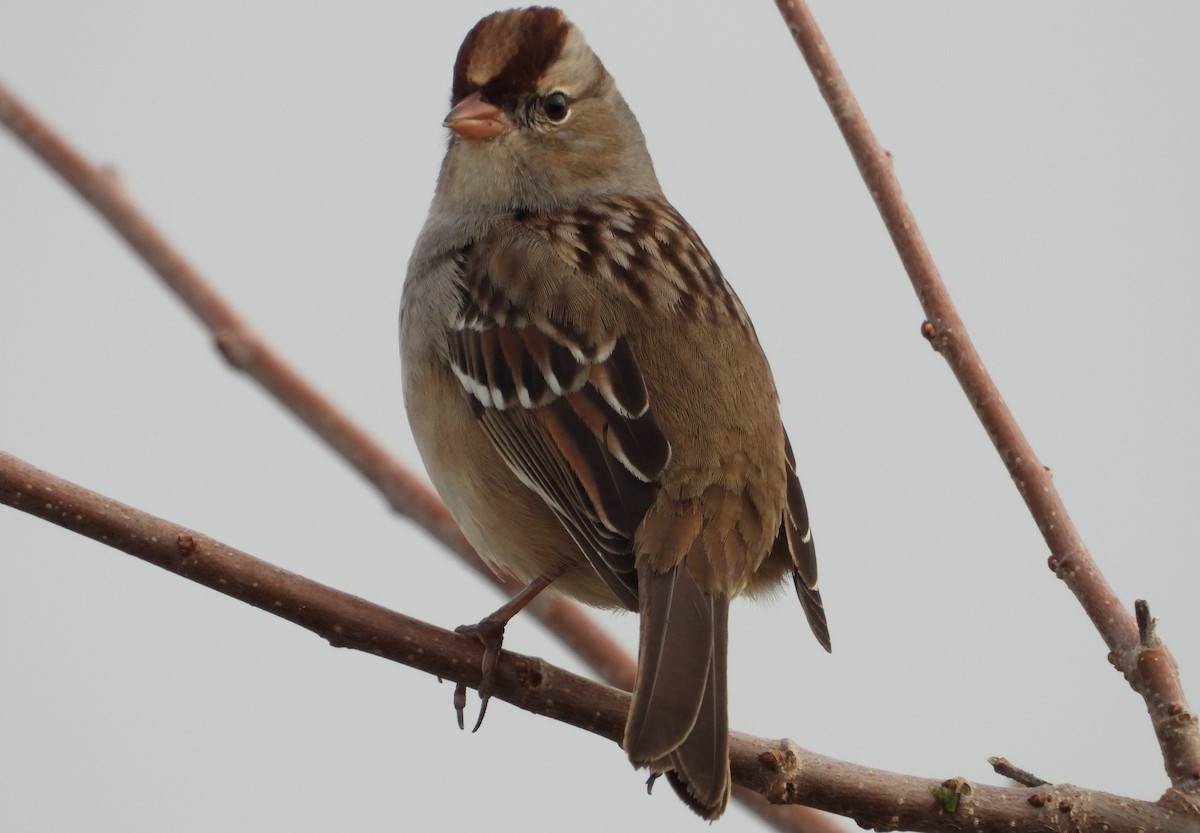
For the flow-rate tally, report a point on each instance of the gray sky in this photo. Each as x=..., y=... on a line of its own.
x=1050, y=155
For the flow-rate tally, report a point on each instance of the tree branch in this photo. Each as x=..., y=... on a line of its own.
x=1148, y=666
x=782, y=772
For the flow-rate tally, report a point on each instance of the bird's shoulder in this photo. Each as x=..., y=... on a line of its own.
x=599, y=264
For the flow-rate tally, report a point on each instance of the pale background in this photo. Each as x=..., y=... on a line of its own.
x=1050, y=154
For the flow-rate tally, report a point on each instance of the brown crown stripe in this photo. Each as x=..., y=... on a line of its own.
x=523, y=42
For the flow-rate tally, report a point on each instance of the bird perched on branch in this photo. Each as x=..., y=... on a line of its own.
x=587, y=392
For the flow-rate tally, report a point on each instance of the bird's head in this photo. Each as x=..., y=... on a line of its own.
x=536, y=120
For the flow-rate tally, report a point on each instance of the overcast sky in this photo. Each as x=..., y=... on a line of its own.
x=1050, y=153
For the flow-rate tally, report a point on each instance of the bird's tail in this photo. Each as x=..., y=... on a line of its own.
x=678, y=722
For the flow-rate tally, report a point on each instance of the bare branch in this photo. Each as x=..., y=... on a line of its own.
x=1150, y=669
x=782, y=772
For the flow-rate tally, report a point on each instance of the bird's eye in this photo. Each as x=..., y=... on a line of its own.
x=556, y=107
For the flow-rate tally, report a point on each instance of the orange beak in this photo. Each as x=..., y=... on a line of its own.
x=474, y=118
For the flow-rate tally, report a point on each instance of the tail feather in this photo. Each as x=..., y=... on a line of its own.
x=700, y=765
x=679, y=716
x=674, y=660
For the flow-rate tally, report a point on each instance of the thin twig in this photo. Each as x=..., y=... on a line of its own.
x=1005, y=767
x=780, y=771
x=1151, y=671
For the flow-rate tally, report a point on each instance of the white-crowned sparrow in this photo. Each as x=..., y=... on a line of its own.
x=586, y=390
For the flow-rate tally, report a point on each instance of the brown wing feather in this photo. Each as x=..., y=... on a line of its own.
x=796, y=535
x=532, y=455
x=568, y=411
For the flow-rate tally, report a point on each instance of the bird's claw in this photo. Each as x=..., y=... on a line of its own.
x=490, y=634
x=460, y=702
x=654, y=776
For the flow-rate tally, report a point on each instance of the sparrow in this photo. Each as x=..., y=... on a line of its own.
x=587, y=392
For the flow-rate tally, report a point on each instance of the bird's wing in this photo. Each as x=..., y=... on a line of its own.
x=795, y=535
x=563, y=401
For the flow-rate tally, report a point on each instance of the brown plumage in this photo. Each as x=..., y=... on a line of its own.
x=587, y=391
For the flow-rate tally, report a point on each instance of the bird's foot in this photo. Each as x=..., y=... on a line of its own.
x=488, y=632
